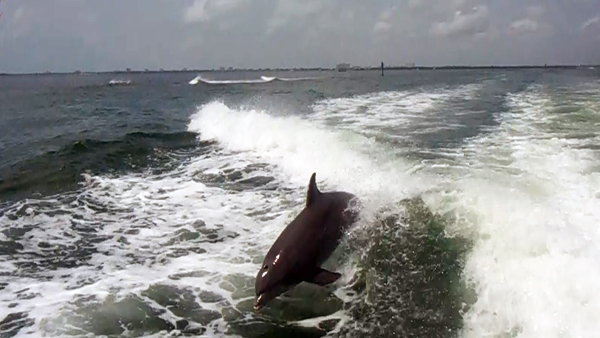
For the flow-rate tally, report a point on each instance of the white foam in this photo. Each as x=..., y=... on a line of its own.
x=262, y=79
x=195, y=80
x=536, y=263
x=344, y=160
x=529, y=196
x=159, y=206
x=396, y=114
x=528, y=192
x=118, y=82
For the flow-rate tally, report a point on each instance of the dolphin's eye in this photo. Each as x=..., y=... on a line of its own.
x=266, y=267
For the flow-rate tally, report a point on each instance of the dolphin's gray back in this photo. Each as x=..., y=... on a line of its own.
x=308, y=240
x=337, y=220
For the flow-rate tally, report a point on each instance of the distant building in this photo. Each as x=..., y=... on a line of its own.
x=342, y=67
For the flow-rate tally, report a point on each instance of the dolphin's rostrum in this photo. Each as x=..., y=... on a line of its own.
x=305, y=244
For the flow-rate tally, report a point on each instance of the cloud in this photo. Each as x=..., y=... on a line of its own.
x=531, y=22
x=384, y=22
x=65, y=35
x=463, y=24
x=382, y=27
x=591, y=22
x=206, y=10
x=524, y=26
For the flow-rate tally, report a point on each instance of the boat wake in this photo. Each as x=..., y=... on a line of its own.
x=119, y=82
x=262, y=79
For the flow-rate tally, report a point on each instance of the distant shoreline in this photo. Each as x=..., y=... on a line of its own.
x=354, y=69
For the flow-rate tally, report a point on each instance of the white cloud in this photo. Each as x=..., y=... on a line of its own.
x=206, y=10
x=531, y=22
x=382, y=27
x=463, y=24
x=383, y=24
x=593, y=21
x=526, y=25
x=197, y=12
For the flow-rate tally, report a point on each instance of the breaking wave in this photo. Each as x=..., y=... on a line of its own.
x=262, y=79
x=494, y=236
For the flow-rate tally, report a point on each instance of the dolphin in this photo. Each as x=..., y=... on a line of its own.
x=305, y=244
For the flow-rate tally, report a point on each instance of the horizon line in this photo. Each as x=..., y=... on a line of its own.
x=351, y=68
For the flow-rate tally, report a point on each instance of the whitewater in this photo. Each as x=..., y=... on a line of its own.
x=520, y=193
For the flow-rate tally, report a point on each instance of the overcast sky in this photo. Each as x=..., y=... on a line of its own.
x=97, y=35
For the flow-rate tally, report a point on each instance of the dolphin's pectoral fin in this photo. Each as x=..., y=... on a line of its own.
x=324, y=277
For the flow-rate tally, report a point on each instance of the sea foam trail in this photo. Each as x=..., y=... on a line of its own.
x=531, y=195
x=199, y=79
x=394, y=114
x=341, y=159
x=135, y=228
x=536, y=264
x=528, y=192
x=262, y=79
x=135, y=225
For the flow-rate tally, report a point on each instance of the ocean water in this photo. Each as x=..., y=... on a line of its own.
x=142, y=205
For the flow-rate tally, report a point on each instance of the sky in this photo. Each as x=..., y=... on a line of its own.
x=90, y=35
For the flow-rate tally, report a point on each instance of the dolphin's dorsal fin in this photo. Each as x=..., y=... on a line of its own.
x=313, y=192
